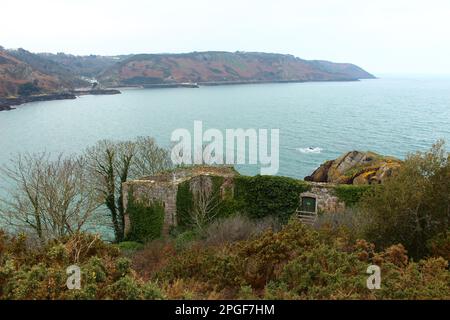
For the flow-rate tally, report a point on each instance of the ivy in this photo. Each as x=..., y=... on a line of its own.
x=350, y=194
x=261, y=196
x=146, y=220
x=185, y=201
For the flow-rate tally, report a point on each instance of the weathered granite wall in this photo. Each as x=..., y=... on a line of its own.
x=151, y=190
x=327, y=202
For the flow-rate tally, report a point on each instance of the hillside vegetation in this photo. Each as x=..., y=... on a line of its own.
x=14, y=72
x=53, y=73
x=225, y=67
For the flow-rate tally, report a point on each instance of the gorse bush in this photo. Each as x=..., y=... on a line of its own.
x=40, y=272
x=300, y=263
x=296, y=262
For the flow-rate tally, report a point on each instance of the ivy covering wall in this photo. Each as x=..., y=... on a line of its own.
x=257, y=196
x=350, y=194
x=146, y=220
x=222, y=203
x=261, y=196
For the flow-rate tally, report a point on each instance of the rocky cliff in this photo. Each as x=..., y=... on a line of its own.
x=356, y=167
x=225, y=67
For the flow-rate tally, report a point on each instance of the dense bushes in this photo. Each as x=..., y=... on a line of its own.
x=40, y=272
x=299, y=263
x=413, y=207
x=295, y=263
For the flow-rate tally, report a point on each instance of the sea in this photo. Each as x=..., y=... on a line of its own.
x=317, y=121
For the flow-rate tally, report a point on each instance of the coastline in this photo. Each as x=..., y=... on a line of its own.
x=7, y=104
x=225, y=83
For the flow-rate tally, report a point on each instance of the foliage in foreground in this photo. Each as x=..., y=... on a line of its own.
x=40, y=273
x=300, y=263
x=294, y=263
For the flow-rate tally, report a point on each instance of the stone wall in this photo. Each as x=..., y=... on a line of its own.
x=327, y=202
x=149, y=191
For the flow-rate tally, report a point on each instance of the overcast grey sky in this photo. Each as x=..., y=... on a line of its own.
x=383, y=36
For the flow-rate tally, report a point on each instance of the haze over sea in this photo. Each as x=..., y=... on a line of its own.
x=392, y=115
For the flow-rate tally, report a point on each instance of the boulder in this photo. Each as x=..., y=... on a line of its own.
x=356, y=167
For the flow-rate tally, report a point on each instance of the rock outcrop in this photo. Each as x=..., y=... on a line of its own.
x=356, y=167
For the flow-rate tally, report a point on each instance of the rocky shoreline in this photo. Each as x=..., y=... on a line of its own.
x=7, y=104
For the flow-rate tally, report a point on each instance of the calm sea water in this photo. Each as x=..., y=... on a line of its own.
x=392, y=115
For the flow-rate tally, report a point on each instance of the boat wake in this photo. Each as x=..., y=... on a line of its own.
x=310, y=150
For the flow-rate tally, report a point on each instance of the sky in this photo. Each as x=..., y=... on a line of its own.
x=383, y=36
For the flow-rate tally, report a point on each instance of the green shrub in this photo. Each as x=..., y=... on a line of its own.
x=42, y=274
x=126, y=288
x=411, y=207
x=184, y=239
x=324, y=272
x=151, y=291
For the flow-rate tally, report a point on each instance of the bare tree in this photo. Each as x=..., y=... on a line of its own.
x=150, y=158
x=111, y=163
x=50, y=197
x=205, y=202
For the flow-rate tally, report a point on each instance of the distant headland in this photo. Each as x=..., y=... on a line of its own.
x=26, y=76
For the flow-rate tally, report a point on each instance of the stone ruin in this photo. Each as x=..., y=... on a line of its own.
x=164, y=187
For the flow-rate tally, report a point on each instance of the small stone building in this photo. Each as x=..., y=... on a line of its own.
x=164, y=187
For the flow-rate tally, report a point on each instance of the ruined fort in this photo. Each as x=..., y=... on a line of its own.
x=163, y=188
